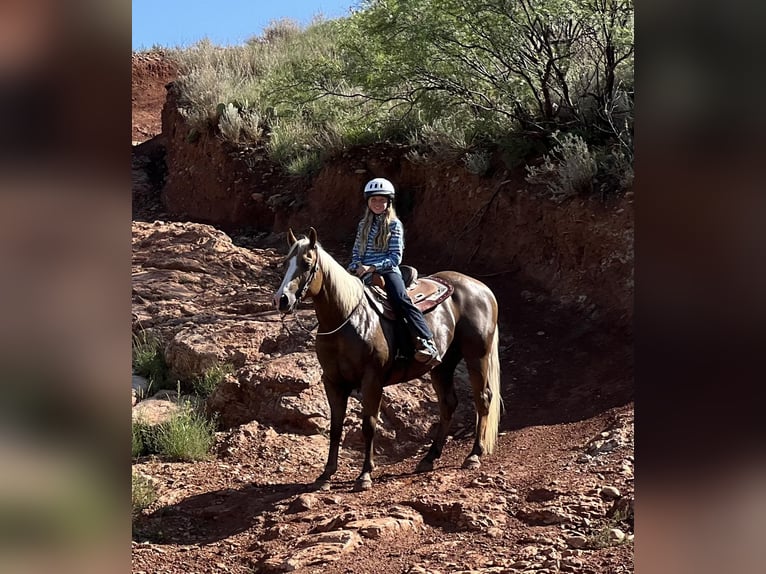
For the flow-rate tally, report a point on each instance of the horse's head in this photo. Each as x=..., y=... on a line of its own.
x=300, y=271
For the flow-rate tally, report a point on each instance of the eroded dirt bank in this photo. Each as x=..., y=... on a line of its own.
x=580, y=252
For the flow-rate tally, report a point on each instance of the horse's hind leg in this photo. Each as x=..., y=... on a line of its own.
x=478, y=370
x=338, y=400
x=444, y=385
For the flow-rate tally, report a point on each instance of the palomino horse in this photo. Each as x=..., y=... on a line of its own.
x=355, y=347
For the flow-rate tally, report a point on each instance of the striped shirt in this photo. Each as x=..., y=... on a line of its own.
x=383, y=260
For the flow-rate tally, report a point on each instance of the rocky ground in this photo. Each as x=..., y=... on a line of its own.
x=557, y=496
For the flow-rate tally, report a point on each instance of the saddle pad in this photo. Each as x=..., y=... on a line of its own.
x=426, y=294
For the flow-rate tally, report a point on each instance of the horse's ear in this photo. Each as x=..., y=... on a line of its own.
x=312, y=237
x=290, y=237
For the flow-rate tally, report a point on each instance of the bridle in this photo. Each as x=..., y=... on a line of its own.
x=312, y=274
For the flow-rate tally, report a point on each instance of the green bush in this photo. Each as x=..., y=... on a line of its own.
x=568, y=170
x=305, y=165
x=149, y=360
x=477, y=162
x=239, y=126
x=186, y=436
x=143, y=493
x=141, y=437
x=448, y=76
x=205, y=384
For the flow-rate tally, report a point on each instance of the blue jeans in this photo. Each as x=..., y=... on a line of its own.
x=403, y=306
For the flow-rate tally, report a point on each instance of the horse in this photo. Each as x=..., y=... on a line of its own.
x=356, y=350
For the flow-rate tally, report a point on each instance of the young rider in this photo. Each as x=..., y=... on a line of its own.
x=378, y=248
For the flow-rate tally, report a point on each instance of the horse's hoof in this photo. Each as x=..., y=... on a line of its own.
x=472, y=462
x=322, y=484
x=424, y=466
x=363, y=483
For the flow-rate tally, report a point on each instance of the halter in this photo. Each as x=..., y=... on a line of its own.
x=312, y=273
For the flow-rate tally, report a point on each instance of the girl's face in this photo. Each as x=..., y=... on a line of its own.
x=378, y=204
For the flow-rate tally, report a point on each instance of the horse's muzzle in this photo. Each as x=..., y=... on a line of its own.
x=284, y=303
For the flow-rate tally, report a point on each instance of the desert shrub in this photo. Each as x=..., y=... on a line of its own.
x=452, y=77
x=143, y=493
x=289, y=139
x=477, y=162
x=149, y=360
x=568, y=170
x=239, y=126
x=141, y=439
x=304, y=165
x=280, y=30
x=516, y=149
x=615, y=173
x=446, y=139
x=206, y=383
x=187, y=435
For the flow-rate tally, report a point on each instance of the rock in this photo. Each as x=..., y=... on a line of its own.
x=622, y=509
x=302, y=503
x=609, y=493
x=194, y=350
x=377, y=527
x=616, y=535
x=529, y=552
x=544, y=516
x=577, y=541
x=314, y=550
x=284, y=392
x=154, y=411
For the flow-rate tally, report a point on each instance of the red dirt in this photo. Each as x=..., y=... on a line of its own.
x=151, y=72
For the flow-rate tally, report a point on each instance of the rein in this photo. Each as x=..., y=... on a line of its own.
x=302, y=293
x=347, y=318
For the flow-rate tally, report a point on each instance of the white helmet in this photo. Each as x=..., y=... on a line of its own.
x=379, y=186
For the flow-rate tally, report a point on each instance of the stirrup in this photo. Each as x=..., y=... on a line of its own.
x=427, y=351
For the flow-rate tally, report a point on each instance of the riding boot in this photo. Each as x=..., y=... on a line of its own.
x=426, y=351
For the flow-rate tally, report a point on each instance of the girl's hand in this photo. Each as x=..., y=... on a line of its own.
x=362, y=269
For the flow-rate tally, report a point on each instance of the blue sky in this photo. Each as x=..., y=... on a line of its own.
x=179, y=23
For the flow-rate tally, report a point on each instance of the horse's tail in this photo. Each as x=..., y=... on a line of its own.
x=495, y=406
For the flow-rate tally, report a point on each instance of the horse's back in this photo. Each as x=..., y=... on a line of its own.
x=470, y=294
x=471, y=311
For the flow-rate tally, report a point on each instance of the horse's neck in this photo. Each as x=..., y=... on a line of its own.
x=341, y=293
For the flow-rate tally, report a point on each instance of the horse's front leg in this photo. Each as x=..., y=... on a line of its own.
x=338, y=400
x=372, y=392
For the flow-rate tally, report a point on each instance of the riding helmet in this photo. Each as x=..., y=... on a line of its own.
x=379, y=186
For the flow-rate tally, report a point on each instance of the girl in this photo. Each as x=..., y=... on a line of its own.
x=378, y=248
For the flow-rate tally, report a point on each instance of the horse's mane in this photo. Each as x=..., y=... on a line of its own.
x=345, y=286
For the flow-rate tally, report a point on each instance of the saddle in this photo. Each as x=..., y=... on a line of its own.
x=425, y=292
